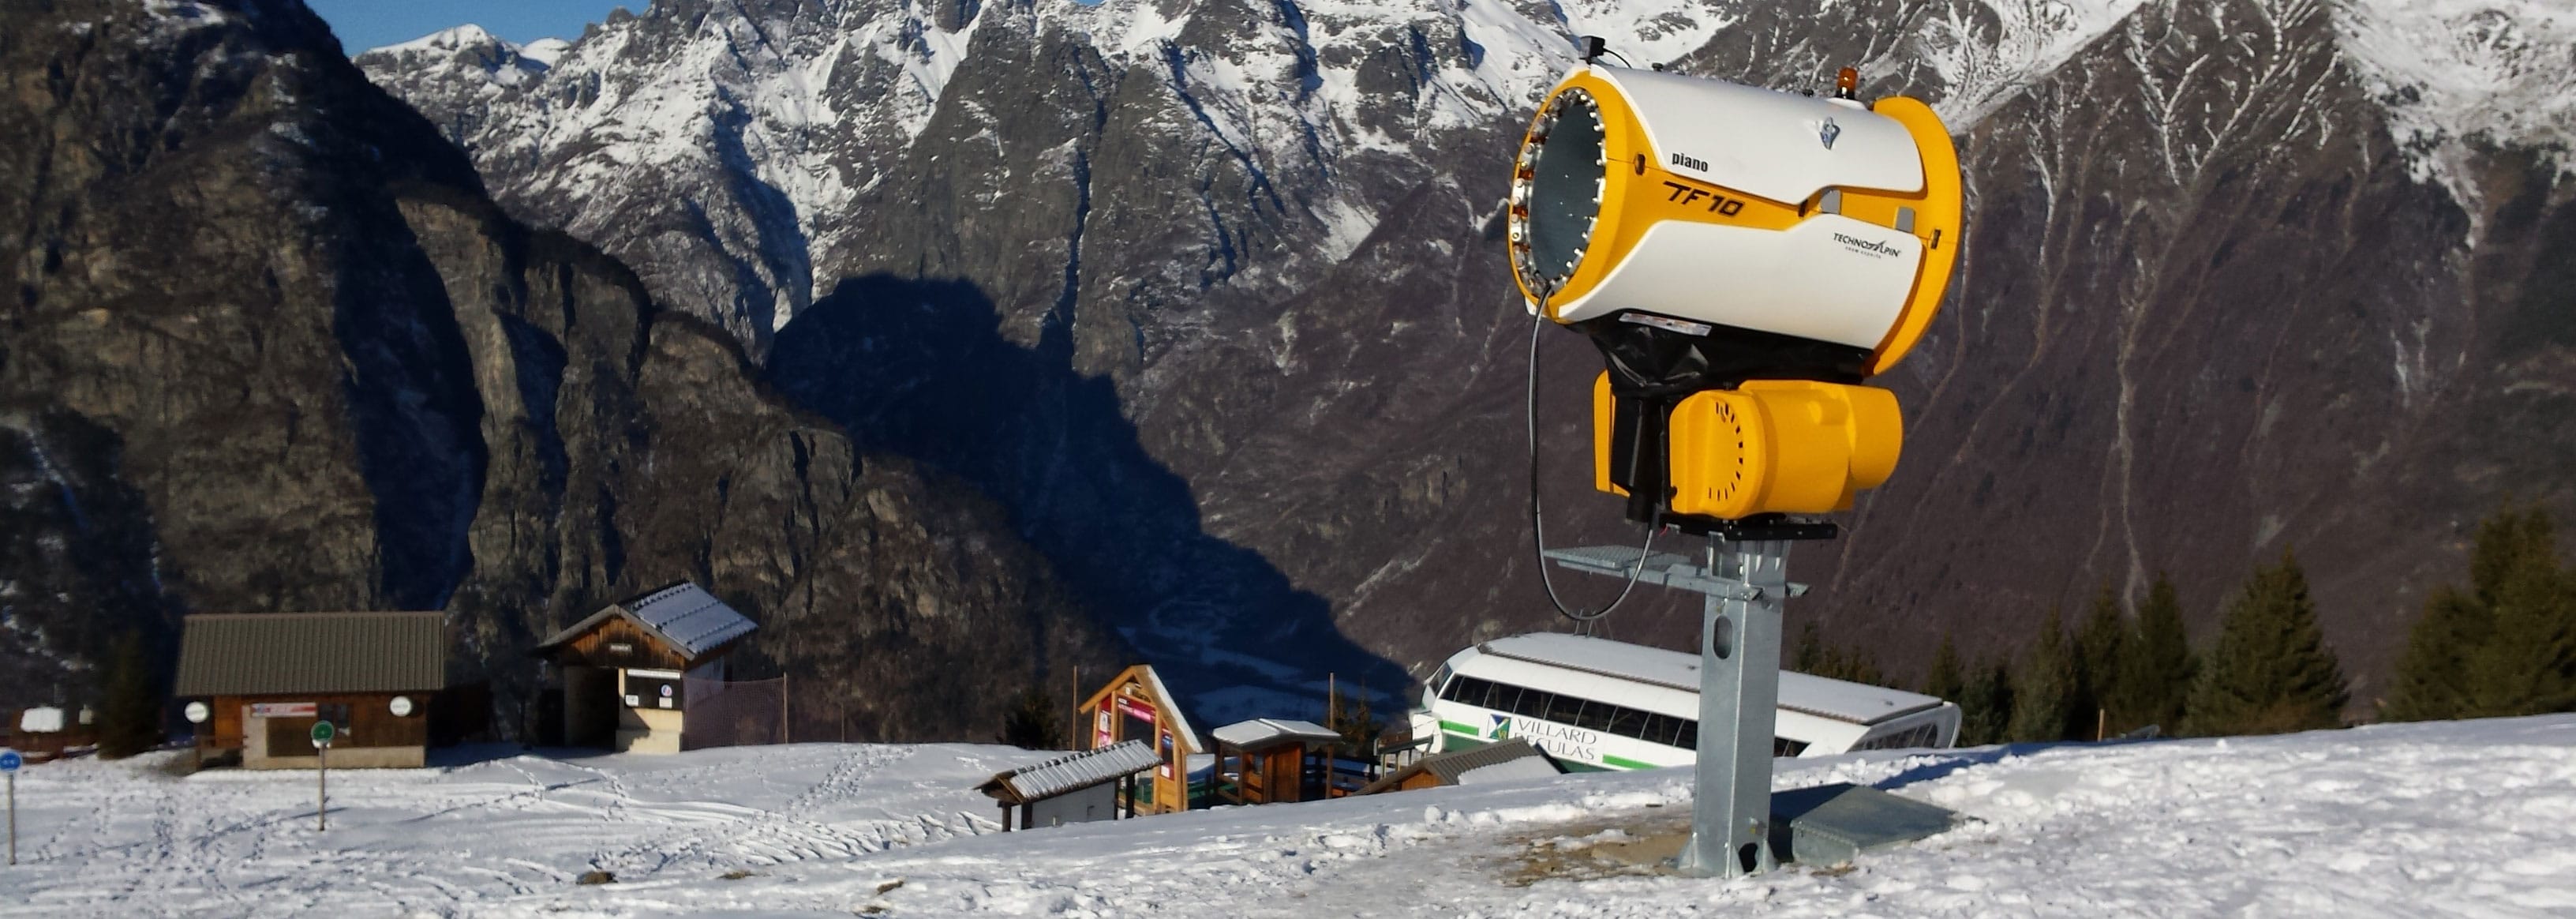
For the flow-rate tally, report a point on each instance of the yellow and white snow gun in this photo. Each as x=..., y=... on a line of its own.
x=1744, y=259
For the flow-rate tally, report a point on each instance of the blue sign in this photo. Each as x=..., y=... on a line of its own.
x=10, y=760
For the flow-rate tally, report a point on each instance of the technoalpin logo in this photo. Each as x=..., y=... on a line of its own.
x=1829, y=132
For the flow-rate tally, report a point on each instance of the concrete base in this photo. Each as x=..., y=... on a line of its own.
x=647, y=741
x=349, y=758
x=1833, y=823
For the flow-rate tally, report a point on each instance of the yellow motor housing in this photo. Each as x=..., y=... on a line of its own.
x=1769, y=446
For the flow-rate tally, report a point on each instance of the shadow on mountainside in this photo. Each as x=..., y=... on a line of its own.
x=919, y=368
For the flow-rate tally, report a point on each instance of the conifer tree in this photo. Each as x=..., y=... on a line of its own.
x=1349, y=716
x=2432, y=680
x=1985, y=706
x=2044, y=688
x=1949, y=679
x=1816, y=657
x=2527, y=665
x=2099, y=645
x=2270, y=671
x=132, y=722
x=2156, y=665
x=1034, y=722
x=2504, y=646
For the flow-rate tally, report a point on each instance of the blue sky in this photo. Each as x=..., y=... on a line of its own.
x=364, y=24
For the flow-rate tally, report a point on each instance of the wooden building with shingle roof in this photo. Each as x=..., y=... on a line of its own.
x=265, y=678
x=629, y=672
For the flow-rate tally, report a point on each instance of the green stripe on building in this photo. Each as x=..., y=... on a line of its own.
x=1623, y=762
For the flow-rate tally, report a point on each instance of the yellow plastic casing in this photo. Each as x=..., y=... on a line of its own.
x=1771, y=446
x=1937, y=214
x=1636, y=193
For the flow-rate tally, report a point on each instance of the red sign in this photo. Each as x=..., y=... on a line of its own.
x=283, y=710
x=1135, y=708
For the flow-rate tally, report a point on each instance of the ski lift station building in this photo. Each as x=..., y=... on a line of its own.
x=265, y=678
x=628, y=672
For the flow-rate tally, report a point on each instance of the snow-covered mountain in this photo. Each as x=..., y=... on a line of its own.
x=2448, y=818
x=1207, y=292
x=270, y=348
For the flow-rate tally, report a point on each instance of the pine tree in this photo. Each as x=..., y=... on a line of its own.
x=2528, y=664
x=1816, y=657
x=132, y=722
x=2099, y=645
x=1810, y=656
x=1985, y=706
x=1034, y=722
x=2270, y=671
x=1949, y=681
x=1349, y=716
x=2156, y=665
x=2044, y=689
x=2432, y=680
x=2504, y=646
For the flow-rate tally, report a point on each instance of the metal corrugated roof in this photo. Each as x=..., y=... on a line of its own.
x=1072, y=772
x=266, y=653
x=1259, y=732
x=1449, y=766
x=690, y=617
x=687, y=617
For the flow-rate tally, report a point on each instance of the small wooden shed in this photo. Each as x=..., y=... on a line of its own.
x=1271, y=761
x=629, y=671
x=267, y=677
x=1075, y=788
x=1136, y=706
x=1497, y=762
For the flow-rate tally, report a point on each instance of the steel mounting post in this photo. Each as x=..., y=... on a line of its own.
x=1739, y=698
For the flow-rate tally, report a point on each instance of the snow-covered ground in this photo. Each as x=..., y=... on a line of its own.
x=2443, y=819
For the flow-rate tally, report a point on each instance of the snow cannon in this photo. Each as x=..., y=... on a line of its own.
x=1743, y=259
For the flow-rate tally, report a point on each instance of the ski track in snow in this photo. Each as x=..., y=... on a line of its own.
x=2466, y=818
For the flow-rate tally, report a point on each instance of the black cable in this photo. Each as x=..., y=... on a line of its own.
x=1538, y=530
x=1623, y=59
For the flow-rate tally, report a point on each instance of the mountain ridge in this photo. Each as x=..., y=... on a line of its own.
x=1224, y=170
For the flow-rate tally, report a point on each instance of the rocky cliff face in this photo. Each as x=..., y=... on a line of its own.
x=270, y=348
x=2244, y=276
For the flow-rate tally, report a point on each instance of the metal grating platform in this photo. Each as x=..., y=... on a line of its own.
x=1662, y=569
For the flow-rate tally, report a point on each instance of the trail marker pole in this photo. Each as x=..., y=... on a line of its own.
x=323, y=731
x=9, y=763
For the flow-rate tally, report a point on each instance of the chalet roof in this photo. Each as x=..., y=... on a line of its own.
x=1510, y=759
x=1072, y=772
x=683, y=615
x=1259, y=733
x=1169, y=704
x=268, y=653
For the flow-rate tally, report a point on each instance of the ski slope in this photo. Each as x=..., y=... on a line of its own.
x=2441, y=819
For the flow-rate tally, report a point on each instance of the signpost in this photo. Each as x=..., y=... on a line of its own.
x=323, y=731
x=9, y=763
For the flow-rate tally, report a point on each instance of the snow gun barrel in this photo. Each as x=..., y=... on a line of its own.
x=1744, y=259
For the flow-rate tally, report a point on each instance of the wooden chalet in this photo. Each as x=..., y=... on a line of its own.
x=1074, y=788
x=265, y=678
x=1136, y=706
x=1271, y=761
x=628, y=672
